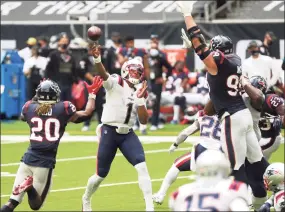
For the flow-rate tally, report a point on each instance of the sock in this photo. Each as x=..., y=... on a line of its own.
x=257, y=202
x=176, y=111
x=249, y=195
x=169, y=178
x=34, y=199
x=93, y=183
x=145, y=184
x=9, y=206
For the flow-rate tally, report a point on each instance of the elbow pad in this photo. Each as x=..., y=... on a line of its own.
x=192, y=34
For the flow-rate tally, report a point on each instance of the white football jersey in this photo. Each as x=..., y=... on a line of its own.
x=254, y=113
x=210, y=131
x=119, y=109
x=279, y=200
x=208, y=196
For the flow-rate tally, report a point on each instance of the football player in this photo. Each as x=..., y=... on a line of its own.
x=274, y=180
x=224, y=70
x=213, y=189
x=209, y=127
x=124, y=102
x=47, y=118
x=267, y=111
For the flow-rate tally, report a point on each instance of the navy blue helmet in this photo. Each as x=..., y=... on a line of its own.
x=48, y=92
x=222, y=43
x=259, y=82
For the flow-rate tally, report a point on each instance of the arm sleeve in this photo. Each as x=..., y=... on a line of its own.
x=166, y=64
x=111, y=81
x=69, y=109
x=187, y=131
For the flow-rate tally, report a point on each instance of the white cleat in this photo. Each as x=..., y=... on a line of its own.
x=153, y=128
x=85, y=128
x=86, y=205
x=158, y=198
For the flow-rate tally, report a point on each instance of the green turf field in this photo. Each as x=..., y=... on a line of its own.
x=76, y=164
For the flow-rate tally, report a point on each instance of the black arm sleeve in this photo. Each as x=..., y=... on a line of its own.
x=167, y=65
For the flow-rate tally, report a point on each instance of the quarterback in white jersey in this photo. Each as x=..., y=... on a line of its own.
x=123, y=103
x=209, y=127
x=274, y=180
x=213, y=190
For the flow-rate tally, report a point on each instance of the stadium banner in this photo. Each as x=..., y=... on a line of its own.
x=240, y=33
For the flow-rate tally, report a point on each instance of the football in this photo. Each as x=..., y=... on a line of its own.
x=94, y=33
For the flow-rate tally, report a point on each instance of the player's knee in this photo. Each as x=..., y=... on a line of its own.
x=103, y=172
x=139, y=158
x=35, y=207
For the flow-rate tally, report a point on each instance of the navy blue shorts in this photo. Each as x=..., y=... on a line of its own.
x=129, y=144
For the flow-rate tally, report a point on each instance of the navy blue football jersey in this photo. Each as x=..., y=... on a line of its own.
x=45, y=132
x=268, y=114
x=225, y=89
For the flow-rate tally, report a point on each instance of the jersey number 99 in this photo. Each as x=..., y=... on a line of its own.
x=234, y=85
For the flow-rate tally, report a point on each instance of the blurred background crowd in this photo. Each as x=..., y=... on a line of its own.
x=177, y=90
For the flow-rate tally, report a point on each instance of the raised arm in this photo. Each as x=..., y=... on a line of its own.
x=96, y=52
x=140, y=101
x=83, y=115
x=196, y=37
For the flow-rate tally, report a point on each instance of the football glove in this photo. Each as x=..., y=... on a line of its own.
x=186, y=42
x=186, y=7
x=265, y=207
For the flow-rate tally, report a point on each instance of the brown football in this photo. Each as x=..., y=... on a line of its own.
x=94, y=33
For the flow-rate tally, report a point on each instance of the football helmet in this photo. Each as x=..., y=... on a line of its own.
x=274, y=177
x=133, y=71
x=222, y=43
x=48, y=91
x=259, y=83
x=213, y=163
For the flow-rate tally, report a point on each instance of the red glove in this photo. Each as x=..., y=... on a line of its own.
x=96, y=85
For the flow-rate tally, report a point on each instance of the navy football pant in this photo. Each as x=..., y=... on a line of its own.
x=129, y=144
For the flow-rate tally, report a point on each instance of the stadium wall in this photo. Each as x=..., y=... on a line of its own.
x=241, y=34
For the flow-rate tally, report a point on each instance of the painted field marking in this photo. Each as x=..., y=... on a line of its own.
x=11, y=139
x=190, y=177
x=93, y=157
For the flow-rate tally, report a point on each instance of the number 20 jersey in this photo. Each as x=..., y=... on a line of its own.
x=204, y=195
x=45, y=132
x=225, y=87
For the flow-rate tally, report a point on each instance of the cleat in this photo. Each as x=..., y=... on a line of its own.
x=158, y=198
x=153, y=128
x=85, y=129
x=86, y=205
x=24, y=186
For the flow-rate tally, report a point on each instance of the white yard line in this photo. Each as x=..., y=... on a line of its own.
x=191, y=177
x=93, y=157
x=11, y=139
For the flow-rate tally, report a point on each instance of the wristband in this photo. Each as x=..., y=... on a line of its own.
x=98, y=59
x=92, y=96
x=140, y=101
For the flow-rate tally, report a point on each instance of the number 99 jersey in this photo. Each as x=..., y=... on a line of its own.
x=46, y=132
x=225, y=195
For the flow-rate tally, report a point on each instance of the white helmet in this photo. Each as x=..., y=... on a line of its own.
x=213, y=163
x=128, y=68
x=274, y=177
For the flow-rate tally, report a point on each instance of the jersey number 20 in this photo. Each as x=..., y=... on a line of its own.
x=47, y=126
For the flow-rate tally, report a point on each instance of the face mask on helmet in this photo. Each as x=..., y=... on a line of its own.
x=133, y=72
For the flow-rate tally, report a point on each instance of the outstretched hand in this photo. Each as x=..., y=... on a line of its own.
x=95, y=86
x=186, y=7
x=96, y=49
x=142, y=92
